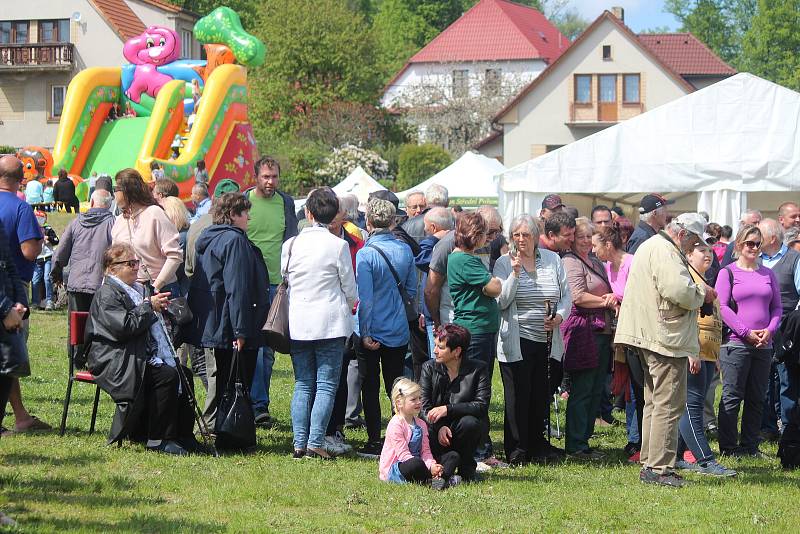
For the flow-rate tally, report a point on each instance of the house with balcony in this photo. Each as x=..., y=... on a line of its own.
x=44, y=44
x=609, y=74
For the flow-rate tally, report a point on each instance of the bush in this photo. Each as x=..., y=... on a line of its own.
x=417, y=163
x=299, y=162
x=342, y=161
x=7, y=149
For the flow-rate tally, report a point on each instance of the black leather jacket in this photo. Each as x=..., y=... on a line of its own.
x=468, y=394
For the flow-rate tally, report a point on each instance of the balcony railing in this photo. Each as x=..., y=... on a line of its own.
x=589, y=116
x=32, y=55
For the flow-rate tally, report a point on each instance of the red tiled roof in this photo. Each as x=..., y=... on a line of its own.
x=495, y=30
x=120, y=17
x=166, y=6
x=686, y=54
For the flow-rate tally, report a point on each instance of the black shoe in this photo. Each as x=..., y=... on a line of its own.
x=298, y=454
x=438, y=484
x=264, y=420
x=631, y=448
x=517, y=458
x=169, y=447
x=193, y=446
x=356, y=423
x=672, y=480
x=770, y=435
x=371, y=450
x=320, y=454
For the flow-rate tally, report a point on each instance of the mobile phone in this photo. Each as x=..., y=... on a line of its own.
x=512, y=249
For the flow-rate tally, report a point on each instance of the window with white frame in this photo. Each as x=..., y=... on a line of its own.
x=186, y=44
x=460, y=83
x=57, y=95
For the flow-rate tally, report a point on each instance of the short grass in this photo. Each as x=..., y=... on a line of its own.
x=77, y=483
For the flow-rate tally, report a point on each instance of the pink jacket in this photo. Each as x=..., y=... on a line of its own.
x=395, y=446
x=156, y=242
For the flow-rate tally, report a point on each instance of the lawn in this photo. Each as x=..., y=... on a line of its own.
x=78, y=483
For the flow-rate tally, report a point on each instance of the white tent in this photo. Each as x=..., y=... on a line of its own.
x=733, y=138
x=358, y=183
x=469, y=180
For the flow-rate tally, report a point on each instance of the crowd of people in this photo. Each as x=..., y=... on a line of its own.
x=648, y=317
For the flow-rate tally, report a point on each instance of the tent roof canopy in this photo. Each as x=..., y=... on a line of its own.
x=738, y=134
x=469, y=177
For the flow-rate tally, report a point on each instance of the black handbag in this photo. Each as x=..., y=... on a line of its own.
x=13, y=354
x=412, y=315
x=178, y=308
x=236, y=423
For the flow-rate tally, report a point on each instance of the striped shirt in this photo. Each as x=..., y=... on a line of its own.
x=532, y=291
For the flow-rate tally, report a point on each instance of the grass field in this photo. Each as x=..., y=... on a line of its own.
x=77, y=483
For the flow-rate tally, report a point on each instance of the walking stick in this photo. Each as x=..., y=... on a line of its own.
x=550, y=313
x=205, y=433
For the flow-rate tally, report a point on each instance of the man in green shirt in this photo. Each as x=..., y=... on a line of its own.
x=272, y=221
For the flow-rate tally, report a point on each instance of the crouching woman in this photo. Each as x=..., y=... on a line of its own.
x=129, y=355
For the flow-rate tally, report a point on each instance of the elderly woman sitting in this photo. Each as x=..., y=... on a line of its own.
x=128, y=352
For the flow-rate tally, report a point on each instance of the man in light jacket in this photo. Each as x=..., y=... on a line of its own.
x=658, y=320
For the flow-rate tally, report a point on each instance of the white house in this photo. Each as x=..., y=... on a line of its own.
x=495, y=42
x=45, y=43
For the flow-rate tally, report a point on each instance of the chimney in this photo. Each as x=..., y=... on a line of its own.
x=619, y=12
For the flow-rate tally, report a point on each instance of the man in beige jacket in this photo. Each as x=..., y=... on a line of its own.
x=658, y=320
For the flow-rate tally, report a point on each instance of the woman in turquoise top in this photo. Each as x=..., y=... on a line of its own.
x=474, y=290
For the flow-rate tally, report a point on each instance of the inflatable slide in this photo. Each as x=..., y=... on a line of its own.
x=165, y=110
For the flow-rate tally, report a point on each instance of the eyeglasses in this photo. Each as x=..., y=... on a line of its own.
x=521, y=235
x=133, y=264
x=753, y=244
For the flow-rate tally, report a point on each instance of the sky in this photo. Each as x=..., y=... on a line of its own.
x=640, y=15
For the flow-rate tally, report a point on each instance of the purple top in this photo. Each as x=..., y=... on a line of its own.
x=619, y=278
x=757, y=296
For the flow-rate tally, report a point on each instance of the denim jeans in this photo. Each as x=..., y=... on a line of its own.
x=41, y=274
x=787, y=393
x=631, y=423
x=483, y=348
x=745, y=375
x=174, y=289
x=772, y=403
x=691, y=425
x=317, y=365
x=259, y=389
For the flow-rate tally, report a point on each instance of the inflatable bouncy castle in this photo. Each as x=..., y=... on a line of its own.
x=164, y=109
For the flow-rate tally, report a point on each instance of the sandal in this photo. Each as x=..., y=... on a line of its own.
x=36, y=426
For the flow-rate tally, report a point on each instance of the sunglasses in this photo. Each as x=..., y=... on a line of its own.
x=133, y=264
x=753, y=244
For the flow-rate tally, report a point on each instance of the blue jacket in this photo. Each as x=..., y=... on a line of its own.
x=380, y=310
x=229, y=294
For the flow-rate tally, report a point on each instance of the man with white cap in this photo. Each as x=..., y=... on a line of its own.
x=658, y=320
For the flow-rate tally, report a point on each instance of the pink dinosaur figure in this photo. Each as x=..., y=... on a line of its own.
x=155, y=47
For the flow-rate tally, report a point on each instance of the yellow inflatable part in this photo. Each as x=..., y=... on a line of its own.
x=78, y=92
x=216, y=89
x=160, y=116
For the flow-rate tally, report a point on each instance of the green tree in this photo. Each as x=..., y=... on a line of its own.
x=318, y=52
x=245, y=8
x=720, y=24
x=570, y=23
x=771, y=46
x=417, y=163
x=399, y=34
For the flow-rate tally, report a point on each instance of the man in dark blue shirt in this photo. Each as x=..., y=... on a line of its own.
x=25, y=241
x=652, y=218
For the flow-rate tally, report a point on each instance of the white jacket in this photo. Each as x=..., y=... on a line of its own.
x=322, y=286
x=508, y=348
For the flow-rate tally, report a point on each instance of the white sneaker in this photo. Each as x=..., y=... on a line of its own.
x=338, y=437
x=331, y=447
x=482, y=467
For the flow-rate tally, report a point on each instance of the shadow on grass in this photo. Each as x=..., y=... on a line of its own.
x=83, y=459
x=135, y=523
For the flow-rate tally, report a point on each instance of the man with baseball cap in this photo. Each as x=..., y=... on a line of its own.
x=658, y=321
x=550, y=205
x=652, y=219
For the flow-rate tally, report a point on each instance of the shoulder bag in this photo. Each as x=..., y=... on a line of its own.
x=412, y=315
x=726, y=330
x=276, y=329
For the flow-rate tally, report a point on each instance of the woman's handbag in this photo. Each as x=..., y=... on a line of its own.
x=412, y=315
x=276, y=329
x=13, y=354
x=178, y=308
x=236, y=423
